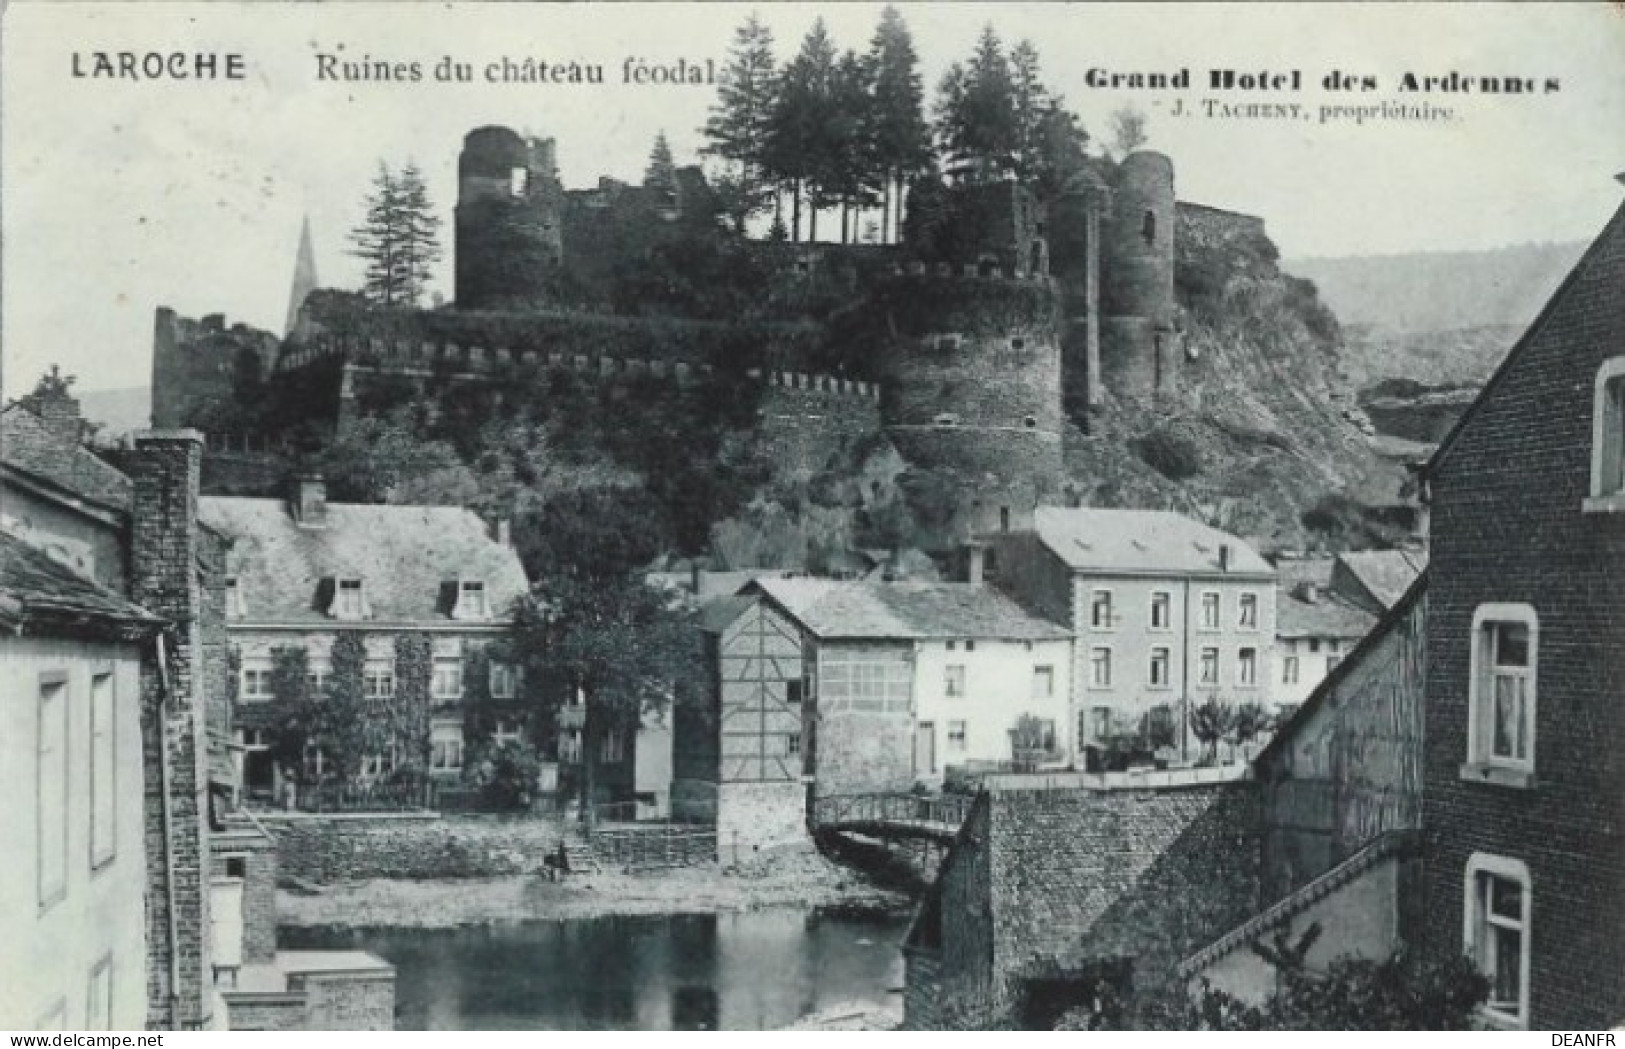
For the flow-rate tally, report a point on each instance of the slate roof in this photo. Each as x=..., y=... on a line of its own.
x=719, y=612
x=28, y=446
x=404, y=555
x=1387, y=574
x=867, y=609
x=1152, y=542
x=38, y=595
x=1328, y=615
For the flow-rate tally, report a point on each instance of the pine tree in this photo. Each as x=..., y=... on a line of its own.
x=661, y=174
x=976, y=111
x=1030, y=101
x=1128, y=130
x=799, y=131
x=901, y=139
x=847, y=173
x=420, y=240
x=399, y=238
x=738, y=126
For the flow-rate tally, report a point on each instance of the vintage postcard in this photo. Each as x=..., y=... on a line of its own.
x=812, y=516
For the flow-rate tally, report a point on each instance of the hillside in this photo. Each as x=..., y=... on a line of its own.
x=1440, y=291
x=118, y=412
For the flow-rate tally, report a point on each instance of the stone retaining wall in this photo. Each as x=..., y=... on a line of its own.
x=326, y=849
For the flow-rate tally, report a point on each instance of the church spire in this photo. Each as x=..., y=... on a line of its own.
x=304, y=277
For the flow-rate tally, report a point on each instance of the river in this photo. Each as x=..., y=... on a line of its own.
x=757, y=970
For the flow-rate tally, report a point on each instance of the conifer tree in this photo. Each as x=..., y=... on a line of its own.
x=800, y=126
x=1029, y=102
x=399, y=239
x=738, y=127
x=661, y=174
x=900, y=137
x=976, y=111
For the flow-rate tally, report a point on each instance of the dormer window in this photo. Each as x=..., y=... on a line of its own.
x=348, y=600
x=471, y=600
x=234, y=598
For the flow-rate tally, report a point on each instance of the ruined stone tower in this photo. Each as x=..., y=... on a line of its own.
x=973, y=360
x=1139, y=346
x=509, y=236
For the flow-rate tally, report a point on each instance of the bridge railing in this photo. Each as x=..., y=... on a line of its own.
x=898, y=808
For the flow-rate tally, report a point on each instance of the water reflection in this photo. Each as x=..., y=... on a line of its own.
x=753, y=971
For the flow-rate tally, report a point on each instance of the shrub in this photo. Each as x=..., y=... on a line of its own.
x=1174, y=456
x=505, y=775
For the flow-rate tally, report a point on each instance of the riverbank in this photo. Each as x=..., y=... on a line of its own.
x=806, y=880
x=851, y=1016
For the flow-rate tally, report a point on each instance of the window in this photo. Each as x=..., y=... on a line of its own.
x=51, y=804
x=956, y=736
x=1289, y=670
x=316, y=676
x=570, y=746
x=1501, y=694
x=518, y=179
x=792, y=743
x=1043, y=682
x=970, y=646
x=235, y=608
x=447, y=682
x=378, y=680
x=1207, y=667
x=1148, y=227
x=1314, y=644
x=1161, y=610
x=953, y=682
x=255, y=681
x=1247, y=667
x=1100, y=610
x=504, y=680
x=794, y=690
x=103, y=763
x=99, y=1000
x=1331, y=663
x=1100, y=722
x=1608, y=436
x=1100, y=668
x=1159, y=668
x=613, y=749
x=1004, y=518
x=945, y=419
x=374, y=766
x=1210, y=611
x=348, y=604
x=1247, y=612
x=446, y=746
x=471, y=602
x=1018, y=344
x=1495, y=929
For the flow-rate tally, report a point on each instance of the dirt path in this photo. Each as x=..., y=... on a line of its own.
x=807, y=880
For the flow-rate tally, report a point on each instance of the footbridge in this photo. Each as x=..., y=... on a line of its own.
x=934, y=817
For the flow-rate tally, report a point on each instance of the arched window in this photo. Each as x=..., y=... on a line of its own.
x=1502, y=694
x=1148, y=227
x=1608, y=436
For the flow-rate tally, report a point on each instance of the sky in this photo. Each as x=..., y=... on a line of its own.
x=120, y=196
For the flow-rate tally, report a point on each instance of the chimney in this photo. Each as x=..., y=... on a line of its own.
x=164, y=537
x=502, y=531
x=309, y=506
x=1224, y=557
x=975, y=563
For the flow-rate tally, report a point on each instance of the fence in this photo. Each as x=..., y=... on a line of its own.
x=897, y=810
x=403, y=796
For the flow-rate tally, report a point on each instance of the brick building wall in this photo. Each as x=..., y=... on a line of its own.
x=1508, y=526
x=243, y=852
x=164, y=579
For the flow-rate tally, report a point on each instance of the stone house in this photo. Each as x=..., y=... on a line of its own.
x=1522, y=781
x=1324, y=606
x=301, y=571
x=1484, y=710
x=73, y=890
x=1167, y=612
x=114, y=595
x=899, y=681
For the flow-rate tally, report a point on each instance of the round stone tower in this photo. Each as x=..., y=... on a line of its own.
x=973, y=386
x=509, y=239
x=1139, y=344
